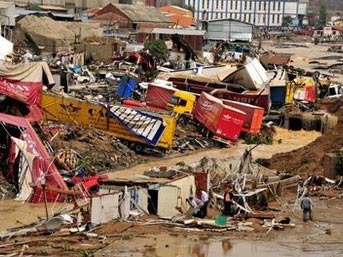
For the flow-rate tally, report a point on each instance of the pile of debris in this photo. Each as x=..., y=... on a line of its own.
x=93, y=149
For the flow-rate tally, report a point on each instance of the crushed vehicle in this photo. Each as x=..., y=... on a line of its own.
x=137, y=129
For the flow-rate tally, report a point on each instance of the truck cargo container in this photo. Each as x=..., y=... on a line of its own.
x=70, y=110
x=224, y=122
x=254, y=118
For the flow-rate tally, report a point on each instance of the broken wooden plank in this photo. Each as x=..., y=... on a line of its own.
x=256, y=215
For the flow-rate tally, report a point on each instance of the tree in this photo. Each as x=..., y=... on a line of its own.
x=322, y=15
x=157, y=48
x=286, y=21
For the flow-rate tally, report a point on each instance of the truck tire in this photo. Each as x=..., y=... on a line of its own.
x=126, y=143
x=139, y=148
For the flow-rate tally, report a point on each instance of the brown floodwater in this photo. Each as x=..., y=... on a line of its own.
x=167, y=246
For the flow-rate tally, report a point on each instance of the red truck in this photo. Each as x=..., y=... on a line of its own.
x=224, y=122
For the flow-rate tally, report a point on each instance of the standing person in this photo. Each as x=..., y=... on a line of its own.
x=306, y=205
x=205, y=199
x=228, y=197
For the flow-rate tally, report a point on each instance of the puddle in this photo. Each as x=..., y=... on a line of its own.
x=218, y=247
x=227, y=248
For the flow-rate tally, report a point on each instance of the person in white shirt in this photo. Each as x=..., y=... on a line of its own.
x=197, y=205
x=205, y=200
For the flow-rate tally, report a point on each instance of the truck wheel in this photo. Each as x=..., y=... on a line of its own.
x=126, y=143
x=139, y=148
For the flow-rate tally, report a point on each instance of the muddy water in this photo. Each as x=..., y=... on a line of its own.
x=218, y=247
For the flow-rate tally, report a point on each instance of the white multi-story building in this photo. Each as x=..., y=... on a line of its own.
x=267, y=13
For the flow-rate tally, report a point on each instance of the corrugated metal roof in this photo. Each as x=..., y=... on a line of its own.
x=140, y=13
x=193, y=32
x=4, y=5
x=24, y=12
x=228, y=19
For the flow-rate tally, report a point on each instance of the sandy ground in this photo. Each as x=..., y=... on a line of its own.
x=305, y=52
x=290, y=140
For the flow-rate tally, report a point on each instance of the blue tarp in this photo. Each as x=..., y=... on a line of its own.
x=126, y=87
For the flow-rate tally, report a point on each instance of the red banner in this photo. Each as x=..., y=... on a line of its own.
x=26, y=92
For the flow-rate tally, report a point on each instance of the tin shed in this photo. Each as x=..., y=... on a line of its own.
x=228, y=29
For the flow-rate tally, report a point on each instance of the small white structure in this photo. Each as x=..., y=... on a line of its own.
x=6, y=47
x=104, y=208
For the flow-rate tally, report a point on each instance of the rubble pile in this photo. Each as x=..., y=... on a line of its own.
x=189, y=138
x=97, y=151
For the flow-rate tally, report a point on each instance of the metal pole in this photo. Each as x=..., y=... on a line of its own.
x=45, y=202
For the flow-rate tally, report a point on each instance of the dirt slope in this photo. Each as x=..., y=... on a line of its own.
x=309, y=159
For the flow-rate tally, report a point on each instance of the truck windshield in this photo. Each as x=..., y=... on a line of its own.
x=174, y=100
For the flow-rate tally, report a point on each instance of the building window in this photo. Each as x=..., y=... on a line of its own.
x=231, y=4
x=260, y=5
x=250, y=5
x=202, y=4
x=279, y=6
x=273, y=18
x=208, y=4
x=278, y=19
x=249, y=17
x=236, y=5
x=217, y=4
x=274, y=6
x=222, y=4
x=265, y=6
x=244, y=17
x=245, y=5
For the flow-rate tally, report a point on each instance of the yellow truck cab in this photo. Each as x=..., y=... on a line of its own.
x=182, y=102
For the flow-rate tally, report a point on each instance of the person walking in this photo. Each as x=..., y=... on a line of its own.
x=307, y=205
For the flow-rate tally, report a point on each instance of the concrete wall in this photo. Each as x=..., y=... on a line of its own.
x=187, y=188
x=102, y=52
x=85, y=30
x=7, y=10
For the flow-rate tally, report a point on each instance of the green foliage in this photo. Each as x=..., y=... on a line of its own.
x=258, y=138
x=286, y=21
x=322, y=15
x=157, y=48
